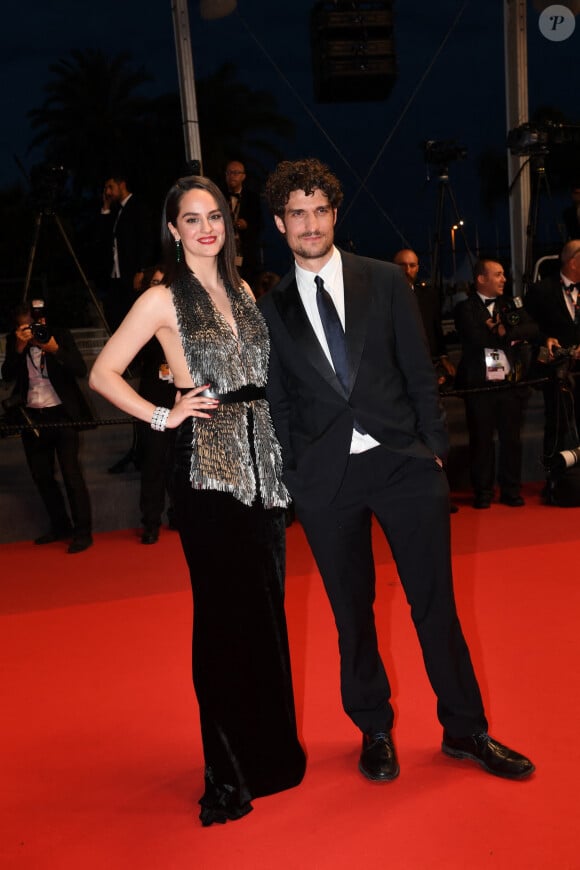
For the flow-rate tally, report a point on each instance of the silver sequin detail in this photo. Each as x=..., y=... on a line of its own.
x=220, y=456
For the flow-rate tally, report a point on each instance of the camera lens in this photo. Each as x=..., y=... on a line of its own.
x=40, y=332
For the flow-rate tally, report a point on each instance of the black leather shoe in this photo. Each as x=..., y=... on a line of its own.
x=378, y=759
x=150, y=536
x=512, y=500
x=77, y=545
x=453, y=509
x=481, y=502
x=51, y=537
x=491, y=755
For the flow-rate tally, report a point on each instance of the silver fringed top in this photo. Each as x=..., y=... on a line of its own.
x=220, y=449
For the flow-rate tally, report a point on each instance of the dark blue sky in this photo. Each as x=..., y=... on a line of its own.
x=461, y=96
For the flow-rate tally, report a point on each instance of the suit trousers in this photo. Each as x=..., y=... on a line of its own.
x=500, y=410
x=409, y=497
x=41, y=452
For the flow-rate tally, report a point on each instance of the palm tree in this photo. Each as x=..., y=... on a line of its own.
x=89, y=120
x=238, y=122
x=94, y=118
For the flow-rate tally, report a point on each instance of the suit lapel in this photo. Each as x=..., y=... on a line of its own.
x=565, y=311
x=295, y=319
x=356, y=292
x=356, y=307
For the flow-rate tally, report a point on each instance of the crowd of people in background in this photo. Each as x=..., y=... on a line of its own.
x=498, y=347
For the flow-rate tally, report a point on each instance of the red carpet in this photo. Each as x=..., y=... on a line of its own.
x=101, y=757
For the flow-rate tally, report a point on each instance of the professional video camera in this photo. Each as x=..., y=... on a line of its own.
x=40, y=331
x=442, y=152
x=47, y=184
x=565, y=459
x=558, y=354
x=528, y=140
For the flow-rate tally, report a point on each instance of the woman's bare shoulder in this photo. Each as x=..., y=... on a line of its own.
x=246, y=287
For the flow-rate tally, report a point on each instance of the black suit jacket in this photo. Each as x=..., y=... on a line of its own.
x=470, y=321
x=249, y=210
x=571, y=222
x=546, y=304
x=429, y=301
x=133, y=242
x=393, y=392
x=63, y=369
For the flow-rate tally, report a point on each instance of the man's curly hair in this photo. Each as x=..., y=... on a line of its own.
x=307, y=175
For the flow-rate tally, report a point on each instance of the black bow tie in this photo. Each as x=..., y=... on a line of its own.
x=489, y=302
x=235, y=195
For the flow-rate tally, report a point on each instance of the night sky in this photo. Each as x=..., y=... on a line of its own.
x=458, y=94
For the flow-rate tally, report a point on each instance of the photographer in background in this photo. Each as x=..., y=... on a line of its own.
x=45, y=362
x=555, y=306
x=493, y=332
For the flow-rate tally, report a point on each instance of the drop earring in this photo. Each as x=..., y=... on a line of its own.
x=178, y=250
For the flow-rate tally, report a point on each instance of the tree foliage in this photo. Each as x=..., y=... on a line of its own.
x=91, y=115
x=95, y=117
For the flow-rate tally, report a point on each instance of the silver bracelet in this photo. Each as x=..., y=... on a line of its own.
x=159, y=419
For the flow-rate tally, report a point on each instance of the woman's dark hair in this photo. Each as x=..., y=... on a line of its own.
x=226, y=257
x=307, y=175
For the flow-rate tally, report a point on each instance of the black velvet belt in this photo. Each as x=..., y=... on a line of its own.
x=249, y=393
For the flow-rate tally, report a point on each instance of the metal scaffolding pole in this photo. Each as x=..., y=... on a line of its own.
x=209, y=9
x=186, y=81
x=516, y=89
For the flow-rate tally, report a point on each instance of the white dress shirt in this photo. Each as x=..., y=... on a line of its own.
x=331, y=274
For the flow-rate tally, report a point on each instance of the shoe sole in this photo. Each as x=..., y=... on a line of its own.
x=379, y=778
x=458, y=753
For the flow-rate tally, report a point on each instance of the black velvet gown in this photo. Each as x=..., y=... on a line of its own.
x=235, y=550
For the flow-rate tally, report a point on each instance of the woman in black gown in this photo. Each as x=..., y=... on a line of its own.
x=228, y=496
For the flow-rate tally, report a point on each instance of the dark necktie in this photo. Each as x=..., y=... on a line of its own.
x=334, y=333
x=117, y=218
x=576, y=305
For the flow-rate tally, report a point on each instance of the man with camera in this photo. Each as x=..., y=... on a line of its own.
x=45, y=362
x=554, y=304
x=493, y=332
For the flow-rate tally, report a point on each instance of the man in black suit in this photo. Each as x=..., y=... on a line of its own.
x=429, y=302
x=571, y=214
x=124, y=248
x=45, y=369
x=555, y=306
x=491, y=335
x=247, y=218
x=357, y=411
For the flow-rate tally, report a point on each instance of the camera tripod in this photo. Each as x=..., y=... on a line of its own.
x=49, y=212
x=538, y=166
x=444, y=192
